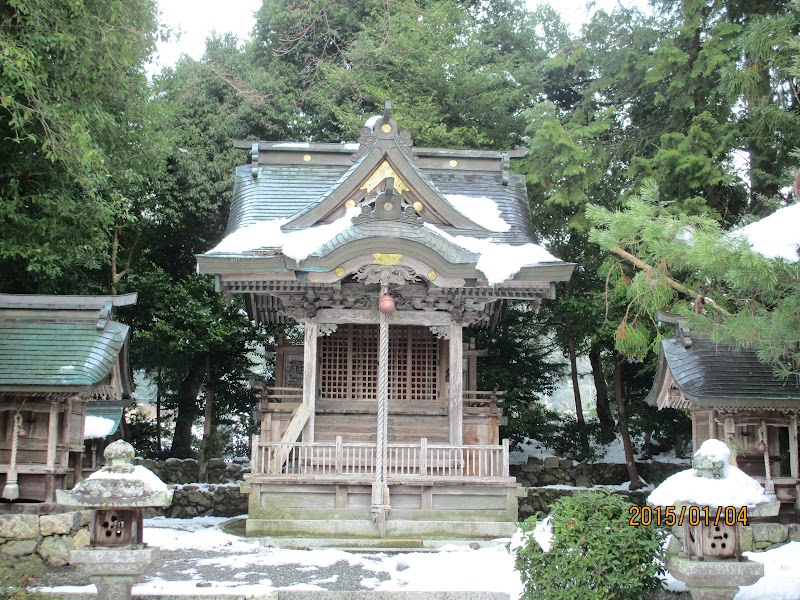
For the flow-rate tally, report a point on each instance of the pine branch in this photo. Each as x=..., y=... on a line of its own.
x=675, y=285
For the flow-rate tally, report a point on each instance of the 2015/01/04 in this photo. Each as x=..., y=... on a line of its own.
x=668, y=516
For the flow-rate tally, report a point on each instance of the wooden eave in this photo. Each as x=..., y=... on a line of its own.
x=54, y=302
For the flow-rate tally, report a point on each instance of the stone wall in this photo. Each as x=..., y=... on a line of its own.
x=194, y=500
x=187, y=470
x=48, y=531
x=551, y=470
x=539, y=473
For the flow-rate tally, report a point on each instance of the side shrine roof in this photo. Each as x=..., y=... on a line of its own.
x=296, y=204
x=52, y=344
x=706, y=374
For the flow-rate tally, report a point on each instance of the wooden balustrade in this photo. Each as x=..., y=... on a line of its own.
x=404, y=460
x=476, y=402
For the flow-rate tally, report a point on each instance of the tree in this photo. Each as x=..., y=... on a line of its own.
x=688, y=264
x=79, y=136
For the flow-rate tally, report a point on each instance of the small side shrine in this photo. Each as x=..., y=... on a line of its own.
x=385, y=253
x=59, y=356
x=734, y=397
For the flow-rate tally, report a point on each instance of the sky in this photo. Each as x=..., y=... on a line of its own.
x=196, y=19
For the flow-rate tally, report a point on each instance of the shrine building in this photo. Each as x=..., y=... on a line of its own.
x=385, y=252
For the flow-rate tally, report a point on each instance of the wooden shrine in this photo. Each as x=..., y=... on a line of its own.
x=737, y=399
x=58, y=356
x=384, y=252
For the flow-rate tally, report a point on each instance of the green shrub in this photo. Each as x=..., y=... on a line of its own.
x=595, y=553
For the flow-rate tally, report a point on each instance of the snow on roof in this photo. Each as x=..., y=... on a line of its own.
x=297, y=245
x=97, y=427
x=139, y=473
x=372, y=120
x=776, y=236
x=481, y=210
x=499, y=262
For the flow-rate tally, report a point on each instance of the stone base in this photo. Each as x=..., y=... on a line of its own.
x=114, y=571
x=714, y=580
x=353, y=528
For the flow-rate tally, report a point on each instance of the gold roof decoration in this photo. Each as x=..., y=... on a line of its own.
x=383, y=171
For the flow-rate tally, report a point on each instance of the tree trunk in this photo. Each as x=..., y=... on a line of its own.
x=630, y=461
x=187, y=412
x=603, y=405
x=576, y=390
x=208, y=417
x=159, y=441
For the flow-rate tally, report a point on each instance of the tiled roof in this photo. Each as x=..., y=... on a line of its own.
x=73, y=355
x=283, y=191
x=710, y=374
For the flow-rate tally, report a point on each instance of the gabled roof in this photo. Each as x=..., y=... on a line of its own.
x=460, y=215
x=62, y=343
x=707, y=374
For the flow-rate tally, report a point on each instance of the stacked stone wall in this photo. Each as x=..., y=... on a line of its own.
x=48, y=531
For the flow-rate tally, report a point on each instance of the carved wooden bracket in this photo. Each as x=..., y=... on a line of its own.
x=386, y=275
x=325, y=329
x=299, y=315
x=440, y=331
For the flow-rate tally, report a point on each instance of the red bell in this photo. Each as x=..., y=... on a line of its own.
x=22, y=433
x=761, y=447
x=386, y=304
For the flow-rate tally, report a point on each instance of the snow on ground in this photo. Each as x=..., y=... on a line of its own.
x=781, y=580
x=208, y=548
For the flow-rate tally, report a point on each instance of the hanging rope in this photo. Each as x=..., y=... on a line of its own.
x=380, y=490
x=11, y=489
x=762, y=435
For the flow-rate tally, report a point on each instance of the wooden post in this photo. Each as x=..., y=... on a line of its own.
x=339, y=455
x=423, y=457
x=456, y=407
x=255, y=463
x=52, y=436
x=310, y=376
x=504, y=466
x=794, y=467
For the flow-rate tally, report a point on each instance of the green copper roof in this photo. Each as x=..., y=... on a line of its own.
x=73, y=355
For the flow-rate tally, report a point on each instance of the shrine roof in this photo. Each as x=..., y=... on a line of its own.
x=708, y=374
x=69, y=343
x=302, y=209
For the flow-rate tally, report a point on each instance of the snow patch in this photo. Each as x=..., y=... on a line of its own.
x=297, y=245
x=480, y=209
x=775, y=236
x=498, y=262
x=97, y=427
x=735, y=489
x=139, y=473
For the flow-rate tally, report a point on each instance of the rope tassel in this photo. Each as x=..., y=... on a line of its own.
x=11, y=489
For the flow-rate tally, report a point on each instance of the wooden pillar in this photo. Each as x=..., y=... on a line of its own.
x=456, y=409
x=794, y=467
x=310, y=375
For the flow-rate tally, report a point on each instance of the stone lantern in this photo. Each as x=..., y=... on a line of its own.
x=708, y=504
x=117, y=492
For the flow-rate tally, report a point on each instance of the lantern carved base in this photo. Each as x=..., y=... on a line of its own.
x=714, y=579
x=114, y=571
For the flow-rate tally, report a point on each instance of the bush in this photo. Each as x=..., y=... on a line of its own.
x=595, y=553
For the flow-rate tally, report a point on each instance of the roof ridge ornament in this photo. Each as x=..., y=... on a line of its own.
x=388, y=206
x=383, y=127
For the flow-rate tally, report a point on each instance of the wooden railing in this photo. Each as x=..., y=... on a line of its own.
x=476, y=402
x=358, y=458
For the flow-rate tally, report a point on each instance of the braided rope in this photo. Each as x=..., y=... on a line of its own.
x=11, y=489
x=381, y=468
x=762, y=434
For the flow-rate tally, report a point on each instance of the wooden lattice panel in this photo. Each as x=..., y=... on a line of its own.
x=349, y=364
